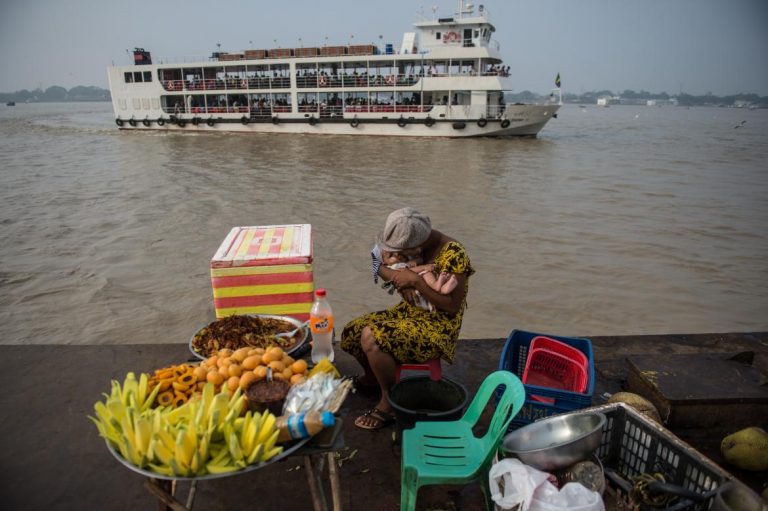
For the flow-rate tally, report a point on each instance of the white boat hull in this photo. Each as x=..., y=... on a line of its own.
x=518, y=120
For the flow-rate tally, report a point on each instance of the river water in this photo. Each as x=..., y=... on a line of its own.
x=620, y=220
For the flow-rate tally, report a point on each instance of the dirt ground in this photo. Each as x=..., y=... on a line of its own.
x=52, y=457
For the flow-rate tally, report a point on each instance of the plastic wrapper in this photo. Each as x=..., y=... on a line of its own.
x=316, y=393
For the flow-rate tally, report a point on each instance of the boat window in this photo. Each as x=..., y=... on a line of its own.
x=128, y=77
x=137, y=77
x=306, y=75
x=437, y=35
x=355, y=74
x=477, y=34
x=147, y=76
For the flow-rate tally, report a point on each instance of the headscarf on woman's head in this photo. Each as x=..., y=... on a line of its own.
x=405, y=228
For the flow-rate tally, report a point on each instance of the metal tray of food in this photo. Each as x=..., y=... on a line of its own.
x=300, y=339
x=288, y=450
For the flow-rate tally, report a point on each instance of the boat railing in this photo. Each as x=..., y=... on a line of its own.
x=217, y=84
x=254, y=111
x=351, y=109
x=352, y=80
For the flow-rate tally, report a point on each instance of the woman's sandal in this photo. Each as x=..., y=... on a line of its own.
x=374, y=419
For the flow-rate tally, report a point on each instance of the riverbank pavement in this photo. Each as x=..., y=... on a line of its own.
x=53, y=458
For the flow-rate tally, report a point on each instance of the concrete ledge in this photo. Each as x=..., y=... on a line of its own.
x=52, y=457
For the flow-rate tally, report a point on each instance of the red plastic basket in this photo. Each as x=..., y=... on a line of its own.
x=546, y=368
x=541, y=341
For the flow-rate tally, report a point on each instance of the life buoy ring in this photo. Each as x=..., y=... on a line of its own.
x=160, y=121
x=355, y=122
x=146, y=122
x=275, y=120
x=505, y=123
x=322, y=80
x=402, y=122
x=132, y=122
x=244, y=83
x=210, y=122
x=171, y=85
x=482, y=122
x=245, y=120
x=195, y=121
x=181, y=123
x=312, y=121
x=429, y=122
x=119, y=122
x=390, y=79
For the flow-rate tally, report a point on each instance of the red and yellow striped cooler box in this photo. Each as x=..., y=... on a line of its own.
x=264, y=270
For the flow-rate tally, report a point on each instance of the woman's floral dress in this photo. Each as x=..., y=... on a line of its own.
x=409, y=333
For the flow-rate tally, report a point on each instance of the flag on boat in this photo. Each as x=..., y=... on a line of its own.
x=557, y=80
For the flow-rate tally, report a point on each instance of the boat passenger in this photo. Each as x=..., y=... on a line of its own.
x=406, y=333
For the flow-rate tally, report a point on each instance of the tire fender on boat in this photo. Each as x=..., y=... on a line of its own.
x=119, y=122
x=132, y=122
x=402, y=122
x=505, y=123
x=181, y=123
x=459, y=125
x=429, y=122
x=275, y=120
x=245, y=120
x=195, y=121
x=312, y=120
x=146, y=122
x=210, y=122
x=482, y=122
x=355, y=122
x=160, y=121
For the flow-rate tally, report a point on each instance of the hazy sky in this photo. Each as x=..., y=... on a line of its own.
x=654, y=45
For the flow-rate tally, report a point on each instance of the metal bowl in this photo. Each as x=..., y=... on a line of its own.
x=556, y=442
x=302, y=339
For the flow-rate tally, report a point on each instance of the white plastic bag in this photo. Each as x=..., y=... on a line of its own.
x=571, y=497
x=518, y=482
x=513, y=483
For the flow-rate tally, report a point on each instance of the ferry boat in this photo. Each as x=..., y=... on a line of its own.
x=447, y=79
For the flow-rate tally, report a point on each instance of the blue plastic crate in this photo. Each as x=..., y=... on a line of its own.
x=513, y=358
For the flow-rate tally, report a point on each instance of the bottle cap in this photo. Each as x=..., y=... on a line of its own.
x=320, y=292
x=328, y=419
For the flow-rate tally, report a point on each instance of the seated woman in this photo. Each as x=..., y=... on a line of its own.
x=406, y=333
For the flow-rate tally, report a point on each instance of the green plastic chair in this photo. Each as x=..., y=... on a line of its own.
x=447, y=452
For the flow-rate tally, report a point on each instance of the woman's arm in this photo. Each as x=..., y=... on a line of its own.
x=450, y=303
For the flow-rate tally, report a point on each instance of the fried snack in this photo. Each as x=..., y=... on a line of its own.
x=236, y=332
x=177, y=384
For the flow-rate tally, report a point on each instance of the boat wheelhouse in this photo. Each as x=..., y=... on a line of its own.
x=447, y=78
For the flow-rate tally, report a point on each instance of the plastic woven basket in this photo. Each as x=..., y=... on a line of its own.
x=632, y=444
x=541, y=341
x=545, y=368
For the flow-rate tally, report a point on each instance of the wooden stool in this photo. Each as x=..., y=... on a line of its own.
x=433, y=366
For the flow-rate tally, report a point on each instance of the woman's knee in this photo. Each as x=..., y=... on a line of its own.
x=367, y=341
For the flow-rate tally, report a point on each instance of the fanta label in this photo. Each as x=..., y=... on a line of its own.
x=321, y=325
